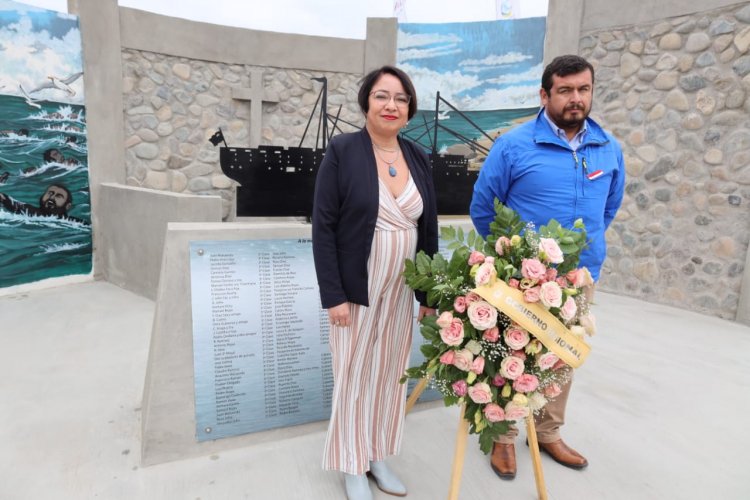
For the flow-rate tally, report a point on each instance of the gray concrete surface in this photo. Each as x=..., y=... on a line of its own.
x=657, y=409
x=102, y=78
x=134, y=224
x=211, y=42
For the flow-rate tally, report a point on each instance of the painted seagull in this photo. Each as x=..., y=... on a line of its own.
x=29, y=100
x=59, y=83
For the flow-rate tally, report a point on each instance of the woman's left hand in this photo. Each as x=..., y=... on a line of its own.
x=425, y=311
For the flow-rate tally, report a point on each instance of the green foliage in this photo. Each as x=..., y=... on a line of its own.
x=444, y=280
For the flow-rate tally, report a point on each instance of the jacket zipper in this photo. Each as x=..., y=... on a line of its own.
x=575, y=158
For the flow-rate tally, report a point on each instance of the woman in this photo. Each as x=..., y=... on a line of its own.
x=374, y=207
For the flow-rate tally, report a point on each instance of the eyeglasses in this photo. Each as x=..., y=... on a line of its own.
x=383, y=97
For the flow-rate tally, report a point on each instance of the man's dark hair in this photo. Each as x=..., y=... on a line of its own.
x=368, y=82
x=564, y=66
x=67, y=192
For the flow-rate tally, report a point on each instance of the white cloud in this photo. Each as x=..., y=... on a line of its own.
x=524, y=96
x=411, y=54
x=532, y=74
x=429, y=82
x=23, y=64
x=408, y=40
x=496, y=60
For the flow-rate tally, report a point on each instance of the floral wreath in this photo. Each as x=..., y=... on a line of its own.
x=474, y=353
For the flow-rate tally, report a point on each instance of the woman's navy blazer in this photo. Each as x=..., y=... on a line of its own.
x=345, y=209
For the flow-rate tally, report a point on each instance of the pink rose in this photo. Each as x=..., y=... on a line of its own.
x=447, y=357
x=568, y=309
x=533, y=269
x=515, y=411
x=573, y=277
x=493, y=413
x=511, y=367
x=498, y=381
x=559, y=364
x=491, y=334
x=551, y=294
x=463, y=360
x=562, y=282
x=552, y=390
x=580, y=277
x=480, y=393
x=453, y=334
x=516, y=338
x=547, y=360
x=486, y=274
x=519, y=354
x=531, y=295
x=444, y=320
x=513, y=283
x=551, y=250
x=501, y=244
x=482, y=315
x=472, y=297
x=526, y=383
x=551, y=274
x=459, y=388
x=477, y=366
x=476, y=258
x=460, y=304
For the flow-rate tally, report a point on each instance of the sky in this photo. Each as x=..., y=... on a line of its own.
x=476, y=66
x=35, y=44
x=335, y=18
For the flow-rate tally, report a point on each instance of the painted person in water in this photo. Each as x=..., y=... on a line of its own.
x=56, y=201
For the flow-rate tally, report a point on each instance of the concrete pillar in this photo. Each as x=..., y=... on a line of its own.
x=380, y=45
x=564, y=19
x=102, y=78
x=743, y=303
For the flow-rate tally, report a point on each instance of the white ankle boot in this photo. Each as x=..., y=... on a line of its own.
x=386, y=480
x=357, y=487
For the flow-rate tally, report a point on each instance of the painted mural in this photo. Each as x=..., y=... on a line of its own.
x=489, y=70
x=45, y=211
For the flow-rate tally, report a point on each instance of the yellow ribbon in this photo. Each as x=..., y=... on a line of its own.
x=538, y=321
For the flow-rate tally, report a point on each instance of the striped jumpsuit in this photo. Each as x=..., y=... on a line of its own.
x=370, y=356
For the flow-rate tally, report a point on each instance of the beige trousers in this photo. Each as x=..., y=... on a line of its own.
x=548, y=422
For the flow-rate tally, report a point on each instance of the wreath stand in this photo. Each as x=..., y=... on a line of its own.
x=463, y=432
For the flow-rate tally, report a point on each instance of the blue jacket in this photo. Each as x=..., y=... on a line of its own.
x=538, y=175
x=345, y=209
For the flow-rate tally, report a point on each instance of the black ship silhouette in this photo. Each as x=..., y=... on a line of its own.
x=279, y=181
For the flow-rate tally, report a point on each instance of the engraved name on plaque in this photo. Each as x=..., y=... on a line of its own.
x=260, y=337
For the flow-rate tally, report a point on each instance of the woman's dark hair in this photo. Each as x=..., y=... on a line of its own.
x=564, y=66
x=368, y=82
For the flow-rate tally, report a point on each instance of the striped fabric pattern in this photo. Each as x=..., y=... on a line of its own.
x=370, y=356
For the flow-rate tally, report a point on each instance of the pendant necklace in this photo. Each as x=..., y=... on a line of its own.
x=391, y=169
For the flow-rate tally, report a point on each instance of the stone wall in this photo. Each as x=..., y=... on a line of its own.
x=675, y=94
x=174, y=104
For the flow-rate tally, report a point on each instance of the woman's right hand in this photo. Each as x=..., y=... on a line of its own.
x=339, y=315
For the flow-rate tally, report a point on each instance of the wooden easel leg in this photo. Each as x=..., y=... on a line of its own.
x=458, y=457
x=418, y=390
x=536, y=460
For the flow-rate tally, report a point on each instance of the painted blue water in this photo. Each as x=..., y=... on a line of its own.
x=489, y=121
x=38, y=247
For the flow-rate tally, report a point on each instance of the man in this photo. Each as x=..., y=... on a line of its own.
x=563, y=166
x=56, y=201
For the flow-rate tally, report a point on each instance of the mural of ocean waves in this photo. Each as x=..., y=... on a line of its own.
x=24, y=258
x=40, y=147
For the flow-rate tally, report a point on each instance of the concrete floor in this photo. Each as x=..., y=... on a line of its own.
x=657, y=409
